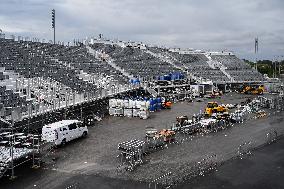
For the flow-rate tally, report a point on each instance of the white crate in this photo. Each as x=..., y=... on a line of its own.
x=131, y=104
x=126, y=103
x=144, y=114
x=128, y=112
x=119, y=103
x=119, y=111
x=145, y=105
x=138, y=104
x=111, y=111
x=112, y=102
x=136, y=112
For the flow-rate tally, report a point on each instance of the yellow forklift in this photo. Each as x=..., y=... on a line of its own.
x=253, y=89
x=213, y=107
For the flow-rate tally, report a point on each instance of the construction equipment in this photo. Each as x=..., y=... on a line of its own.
x=213, y=107
x=181, y=121
x=214, y=94
x=185, y=125
x=256, y=90
x=156, y=139
x=166, y=103
x=261, y=114
x=153, y=139
x=167, y=135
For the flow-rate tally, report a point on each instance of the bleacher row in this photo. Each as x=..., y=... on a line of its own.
x=198, y=66
x=157, y=50
x=2, y=76
x=82, y=60
x=136, y=62
x=141, y=64
x=10, y=99
x=237, y=68
x=230, y=61
x=30, y=61
x=58, y=63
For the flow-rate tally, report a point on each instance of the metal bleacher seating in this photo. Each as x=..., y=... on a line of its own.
x=238, y=69
x=197, y=65
x=138, y=62
x=54, y=64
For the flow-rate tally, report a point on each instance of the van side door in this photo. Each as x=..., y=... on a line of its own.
x=72, y=131
x=81, y=128
x=65, y=133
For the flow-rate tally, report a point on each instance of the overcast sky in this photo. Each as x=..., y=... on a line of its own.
x=199, y=24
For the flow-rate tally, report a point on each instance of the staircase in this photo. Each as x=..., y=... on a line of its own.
x=223, y=69
x=168, y=58
x=110, y=62
x=152, y=92
x=61, y=63
x=218, y=65
x=211, y=63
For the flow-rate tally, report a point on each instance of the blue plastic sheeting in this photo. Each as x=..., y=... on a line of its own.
x=152, y=108
x=134, y=81
x=171, y=77
x=159, y=100
x=159, y=106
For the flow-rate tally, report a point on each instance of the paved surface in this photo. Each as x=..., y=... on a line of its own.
x=94, y=159
x=264, y=169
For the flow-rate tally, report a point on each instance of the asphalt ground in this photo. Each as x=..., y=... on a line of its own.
x=263, y=169
x=92, y=162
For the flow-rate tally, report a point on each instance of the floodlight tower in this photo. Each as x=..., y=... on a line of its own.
x=53, y=23
x=280, y=61
x=256, y=51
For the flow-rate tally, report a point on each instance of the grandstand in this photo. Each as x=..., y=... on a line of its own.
x=40, y=77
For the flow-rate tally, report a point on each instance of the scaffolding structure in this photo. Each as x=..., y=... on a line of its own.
x=17, y=148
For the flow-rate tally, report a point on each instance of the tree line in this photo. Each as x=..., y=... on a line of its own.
x=268, y=67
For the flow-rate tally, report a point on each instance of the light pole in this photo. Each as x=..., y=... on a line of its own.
x=275, y=70
x=53, y=23
x=256, y=51
x=280, y=58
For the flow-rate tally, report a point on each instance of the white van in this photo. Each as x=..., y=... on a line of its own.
x=63, y=131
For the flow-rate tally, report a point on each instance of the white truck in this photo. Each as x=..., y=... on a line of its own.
x=63, y=131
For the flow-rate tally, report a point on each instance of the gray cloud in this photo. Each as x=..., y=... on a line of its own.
x=203, y=24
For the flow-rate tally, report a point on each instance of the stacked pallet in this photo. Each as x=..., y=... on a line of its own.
x=129, y=108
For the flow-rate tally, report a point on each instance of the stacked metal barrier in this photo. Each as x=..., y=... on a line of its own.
x=18, y=148
x=131, y=153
